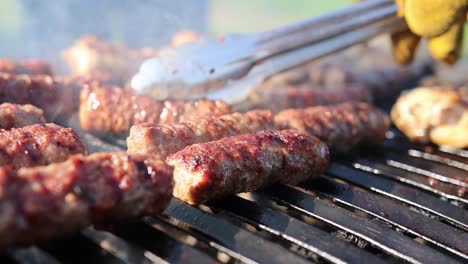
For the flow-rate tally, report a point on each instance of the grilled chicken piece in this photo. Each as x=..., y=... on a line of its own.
x=58, y=97
x=159, y=141
x=438, y=115
x=245, y=163
x=107, y=111
x=31, y=67
x=16, y=116
x=90, y=56
x=45, y=202
x=280, y=98
x=39, y=144
x=341, y=126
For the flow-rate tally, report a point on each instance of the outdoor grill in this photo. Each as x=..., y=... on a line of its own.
x=399, y=202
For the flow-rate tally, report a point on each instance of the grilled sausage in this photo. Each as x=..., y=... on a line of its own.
x=339, y=80
x=245, y=163
x=31, y=67
x=58, y=97
x=39, y=144
x=16, y=116
x=438, y=115
x=44, y=202
x=107, y=111
x=91, y=56
x=161, y=140
x=330, y=75
x=285, y=97
x=341, y=126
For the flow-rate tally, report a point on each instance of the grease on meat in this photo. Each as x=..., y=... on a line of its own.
x=341, y=126
x=45, y=202
x=39, y=144
x=107, y=111
x=16, y=116
x=245, y=163
x=161, y=140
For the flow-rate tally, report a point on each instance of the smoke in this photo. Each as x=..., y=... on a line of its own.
x=47, y=27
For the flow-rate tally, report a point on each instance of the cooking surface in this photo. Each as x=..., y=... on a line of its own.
x=398, y=202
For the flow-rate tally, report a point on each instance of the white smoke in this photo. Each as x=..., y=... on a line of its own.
x=46, y=27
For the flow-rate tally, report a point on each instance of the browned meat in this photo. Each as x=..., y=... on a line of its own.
x=280, y=98
x=378, y=81
x=31, y=67
x=39, y=144
x=341, y=126
x=113, y=111
x=386, y=83
x=16, y=116
x=161, y=140
x=58, y=97
x=434, y=114
x=44, y=202
x=245, y=163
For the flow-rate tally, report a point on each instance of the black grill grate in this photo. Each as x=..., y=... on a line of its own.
x=398, y=202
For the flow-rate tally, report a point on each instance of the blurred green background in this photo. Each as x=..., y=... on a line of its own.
x=246, y=16
x=223, y=15
x=219, y=17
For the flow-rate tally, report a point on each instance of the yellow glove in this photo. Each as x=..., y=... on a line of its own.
x=441, y=21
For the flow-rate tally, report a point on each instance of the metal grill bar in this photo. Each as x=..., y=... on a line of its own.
x=160, y=243
x=384, y=238
x=232, y=236
x=427, y=168
x=437, y=158
x=391, y=211
x=457, y=152
x=120, y=248
x=401, y=192
x=30, y=255
x=71, y=250
x=164, y=226
x=206, y=239
x=399, y=141
x=304, y=235
x=4, y=258
x=222, y=231
x=449, y=191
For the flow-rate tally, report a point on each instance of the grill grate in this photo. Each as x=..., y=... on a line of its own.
x=398, y=202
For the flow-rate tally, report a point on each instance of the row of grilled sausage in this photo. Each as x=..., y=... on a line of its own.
x=47, y=181
x=193, y=150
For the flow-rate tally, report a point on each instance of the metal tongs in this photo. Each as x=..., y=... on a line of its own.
x=228, y=68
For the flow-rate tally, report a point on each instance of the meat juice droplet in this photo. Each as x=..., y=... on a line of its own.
x=93, y=102
x=142, y=113
x=164, y=114
x=125, y=183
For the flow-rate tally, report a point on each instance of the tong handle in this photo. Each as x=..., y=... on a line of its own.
x=322, y=20
x=237, y=91
x=276, y=41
